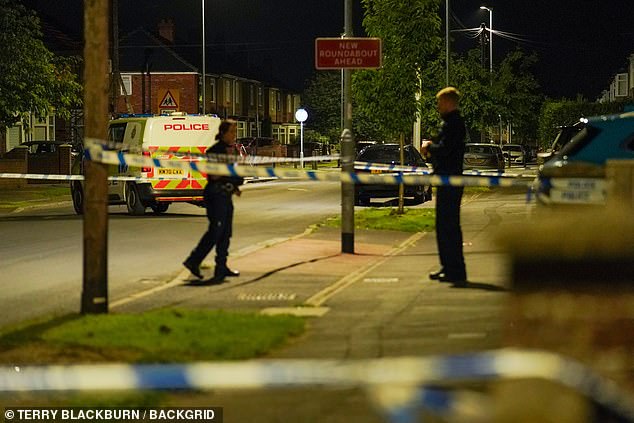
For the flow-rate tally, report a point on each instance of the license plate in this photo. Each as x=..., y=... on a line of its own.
x=578, y=190
x=376, y=171
x=170, y=172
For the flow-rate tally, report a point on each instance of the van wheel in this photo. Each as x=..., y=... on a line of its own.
x=159, y=208
x=77, y=193
x=133, y=201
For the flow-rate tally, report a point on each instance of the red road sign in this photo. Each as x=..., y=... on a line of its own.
x=348, y=53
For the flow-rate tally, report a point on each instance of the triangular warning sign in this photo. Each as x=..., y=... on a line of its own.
x=168, y=102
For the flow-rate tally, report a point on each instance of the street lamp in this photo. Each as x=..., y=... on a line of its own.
x=490, y=36
x=301, y=115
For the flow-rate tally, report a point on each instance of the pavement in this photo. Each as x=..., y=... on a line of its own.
x=377, y=302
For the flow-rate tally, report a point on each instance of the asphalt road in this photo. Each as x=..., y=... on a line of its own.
x=41, y=252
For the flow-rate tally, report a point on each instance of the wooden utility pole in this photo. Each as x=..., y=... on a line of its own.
x=94, y=296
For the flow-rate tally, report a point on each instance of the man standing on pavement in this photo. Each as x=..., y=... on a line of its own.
x=447, y=157
x=218, y=201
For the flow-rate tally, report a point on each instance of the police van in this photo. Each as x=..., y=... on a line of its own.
x=165, y=137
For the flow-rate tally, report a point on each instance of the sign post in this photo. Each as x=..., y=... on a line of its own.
x=347, y=53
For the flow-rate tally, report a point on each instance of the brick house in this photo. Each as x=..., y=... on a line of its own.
x=159, y=76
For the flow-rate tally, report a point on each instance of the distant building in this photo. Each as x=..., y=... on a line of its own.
x=621, y=86
x=159, y=75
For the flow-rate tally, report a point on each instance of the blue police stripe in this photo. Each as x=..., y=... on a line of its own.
x=436, y=400
x=87, y=154
x=482, y=366
x=271, y=171
x=157, y=162
x=444, y=179
x=354, y=177
x=399, y=178
x=121, y=158
x=311, y=174
x=162, y=377
x=194, y=166
x=232, y=169
x=495, y=181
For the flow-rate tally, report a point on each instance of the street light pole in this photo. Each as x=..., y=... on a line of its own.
x=301, y=115
x=490, y=36
x=447, y=42
x=204, y=68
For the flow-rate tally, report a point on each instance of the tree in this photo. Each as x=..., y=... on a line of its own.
x=323, y=103
x=474, y=82
x=511, y=93
x=517, y=94
x=322, y=99
x=33, y=79
x=409, y=30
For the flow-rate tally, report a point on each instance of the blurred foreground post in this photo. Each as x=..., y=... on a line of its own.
x=572, y=281
x=94, y=296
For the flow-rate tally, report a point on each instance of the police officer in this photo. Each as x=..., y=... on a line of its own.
x=447, y=159
x=218, y=199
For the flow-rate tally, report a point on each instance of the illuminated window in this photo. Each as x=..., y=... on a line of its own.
x=126, y=87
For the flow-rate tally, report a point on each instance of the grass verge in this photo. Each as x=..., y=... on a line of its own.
x=165, y=335
x=384, y=218
x=31, y=195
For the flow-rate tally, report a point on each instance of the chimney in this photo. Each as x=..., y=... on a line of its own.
x=166, y=30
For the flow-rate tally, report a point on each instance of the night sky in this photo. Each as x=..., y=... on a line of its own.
x=580, y=43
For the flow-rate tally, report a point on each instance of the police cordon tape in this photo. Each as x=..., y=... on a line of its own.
x=383, y=373
x=52, y=177
x=426, y=171
x=222, y=158
x=95, y=151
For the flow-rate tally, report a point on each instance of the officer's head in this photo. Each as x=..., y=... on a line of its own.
x=447, y=100
x=227, y=132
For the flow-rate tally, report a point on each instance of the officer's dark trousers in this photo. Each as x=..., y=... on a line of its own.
x=220, y=215
x=449, y=233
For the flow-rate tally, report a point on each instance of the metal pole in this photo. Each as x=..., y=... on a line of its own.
x=94, y=295
x=204, y=68
x=491, y=40
x=301, y=144
x=447, y=42
x=347, y=150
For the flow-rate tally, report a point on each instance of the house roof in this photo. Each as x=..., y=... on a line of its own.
x=139, y=46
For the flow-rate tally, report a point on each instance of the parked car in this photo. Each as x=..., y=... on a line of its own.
x=360, y=145
x=576, y=174
x=514, y=154
x=389, y=154
x=483, y=156
x=43, y=147
x=565, y=134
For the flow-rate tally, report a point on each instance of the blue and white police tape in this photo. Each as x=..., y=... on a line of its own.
x=222, y=158
x=415, y=372
x=384, y=167
x=52, y=177
x=42, y=176
x=96, y=153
